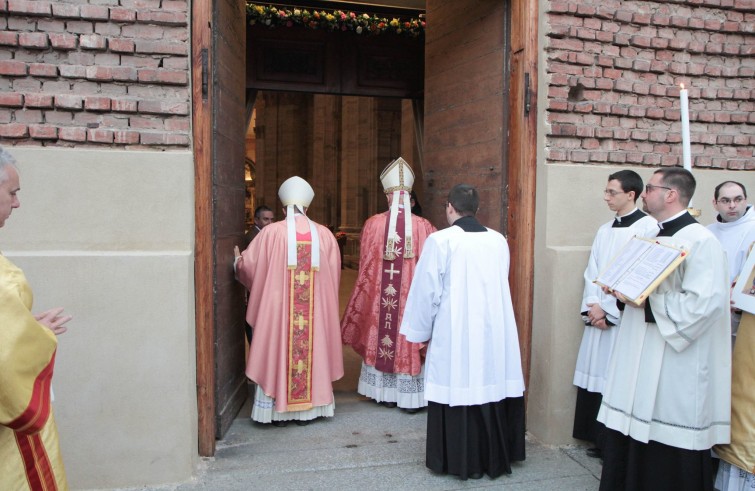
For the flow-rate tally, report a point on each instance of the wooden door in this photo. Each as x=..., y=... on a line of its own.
x=218, y=58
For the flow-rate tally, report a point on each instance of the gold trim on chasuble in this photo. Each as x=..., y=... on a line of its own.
x=300, y=319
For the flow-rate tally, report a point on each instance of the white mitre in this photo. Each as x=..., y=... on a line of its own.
x=398, y=178
x=296, y=194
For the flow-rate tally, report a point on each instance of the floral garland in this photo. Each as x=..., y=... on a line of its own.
x=338, y=20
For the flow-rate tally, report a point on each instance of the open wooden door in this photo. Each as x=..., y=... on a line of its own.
x=218, y=59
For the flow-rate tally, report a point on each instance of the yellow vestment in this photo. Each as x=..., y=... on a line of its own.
x=29, y=451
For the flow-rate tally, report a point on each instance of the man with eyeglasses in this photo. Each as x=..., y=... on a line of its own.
x=735, y=224
x=599, y=310
x=668, y=388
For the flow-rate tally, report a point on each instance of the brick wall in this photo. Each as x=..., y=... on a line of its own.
x=613, y=74
x=99, y=72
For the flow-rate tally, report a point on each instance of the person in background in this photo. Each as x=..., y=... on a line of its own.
x=599, y=310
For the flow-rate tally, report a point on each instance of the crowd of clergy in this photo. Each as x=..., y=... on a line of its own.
x=659, y=395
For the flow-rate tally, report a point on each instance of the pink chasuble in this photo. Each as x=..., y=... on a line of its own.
x=295, y=353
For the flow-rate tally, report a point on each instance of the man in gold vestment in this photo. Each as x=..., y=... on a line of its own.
x=29, y=453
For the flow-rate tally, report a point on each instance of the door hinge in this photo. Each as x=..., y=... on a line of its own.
x=526, y=94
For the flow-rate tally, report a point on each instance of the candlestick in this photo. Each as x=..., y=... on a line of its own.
x=686, y=150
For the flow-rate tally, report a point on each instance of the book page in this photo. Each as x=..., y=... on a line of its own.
x=643, y=274
x=639, y=264
x=621, y=264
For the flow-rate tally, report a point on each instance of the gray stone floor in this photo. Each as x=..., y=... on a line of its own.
x=369, y=447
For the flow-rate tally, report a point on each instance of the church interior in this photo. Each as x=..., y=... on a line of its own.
x=339, y=144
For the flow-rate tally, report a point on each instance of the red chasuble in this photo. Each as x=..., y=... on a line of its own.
x=361, y=324
x=302, y=284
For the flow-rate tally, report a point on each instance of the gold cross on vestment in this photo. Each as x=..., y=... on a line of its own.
x=392, y=271
x=300, y=366
x=301, y=277
x=300, y=322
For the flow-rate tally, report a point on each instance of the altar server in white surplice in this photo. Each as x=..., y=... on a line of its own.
x=735, y=229
x=460, y=302
x=668, y=389
x=599, y=310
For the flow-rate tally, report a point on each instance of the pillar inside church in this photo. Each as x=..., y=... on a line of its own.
x=339, y=144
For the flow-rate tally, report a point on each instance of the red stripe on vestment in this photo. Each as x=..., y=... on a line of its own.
x=36, y=413
x=37, y=465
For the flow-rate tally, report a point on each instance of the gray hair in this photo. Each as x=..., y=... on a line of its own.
x=6, y=160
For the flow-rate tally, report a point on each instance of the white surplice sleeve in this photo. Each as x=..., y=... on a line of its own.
x=684, y=312
x=424, y=296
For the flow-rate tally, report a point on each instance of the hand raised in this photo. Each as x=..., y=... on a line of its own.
x=52, y=320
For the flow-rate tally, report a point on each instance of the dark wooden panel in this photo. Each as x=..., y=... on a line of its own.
x=304, y=60
x=228, y=104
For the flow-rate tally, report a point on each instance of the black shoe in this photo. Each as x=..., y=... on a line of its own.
x=303, y=423
x=411, y=410
x=280, y=424
x=475, y=475
x=594, y=452
x=389, y=404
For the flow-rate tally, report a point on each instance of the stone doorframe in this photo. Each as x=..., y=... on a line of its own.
x=521, y=156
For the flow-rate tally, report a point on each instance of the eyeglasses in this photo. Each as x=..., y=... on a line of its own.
x=612, y=192
x=649, y=188
x=726, y=201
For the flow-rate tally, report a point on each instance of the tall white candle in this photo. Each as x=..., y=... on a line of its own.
x=686, y=151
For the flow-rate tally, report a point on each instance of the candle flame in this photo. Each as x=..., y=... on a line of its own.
x=682, y=85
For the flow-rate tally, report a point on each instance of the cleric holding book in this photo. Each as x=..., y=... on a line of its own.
x=667, y=395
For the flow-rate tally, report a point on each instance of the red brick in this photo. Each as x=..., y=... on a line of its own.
x=178, y=124
x=678, y=21
x=29, y=7
x=43, y=132
x=696, y=23
x=14, y=130
x=39, y=100
x=65, y=101
x=155, y=138
x=641, y=18
x=62, y=40
x=660, y=19
x=66, y=10
x=43, y=70
x=121, y=45
x=100, y=135
x=72, y=71
x=8, y=38
x=162, y=17
x=99, y=73
x=124, y=73
x=12, y=68
x=79, y=27
x=161, y=47
x=174, y=5
x=72, y=134
x=122, y=15
x=11, y=99
x=124, y=105
x=141, y=4
x=94, y=12
x=92, y=41
x=95, y=103
x=126, y=137
x=164, y=107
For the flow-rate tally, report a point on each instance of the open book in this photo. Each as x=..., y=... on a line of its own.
x=639, y=267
